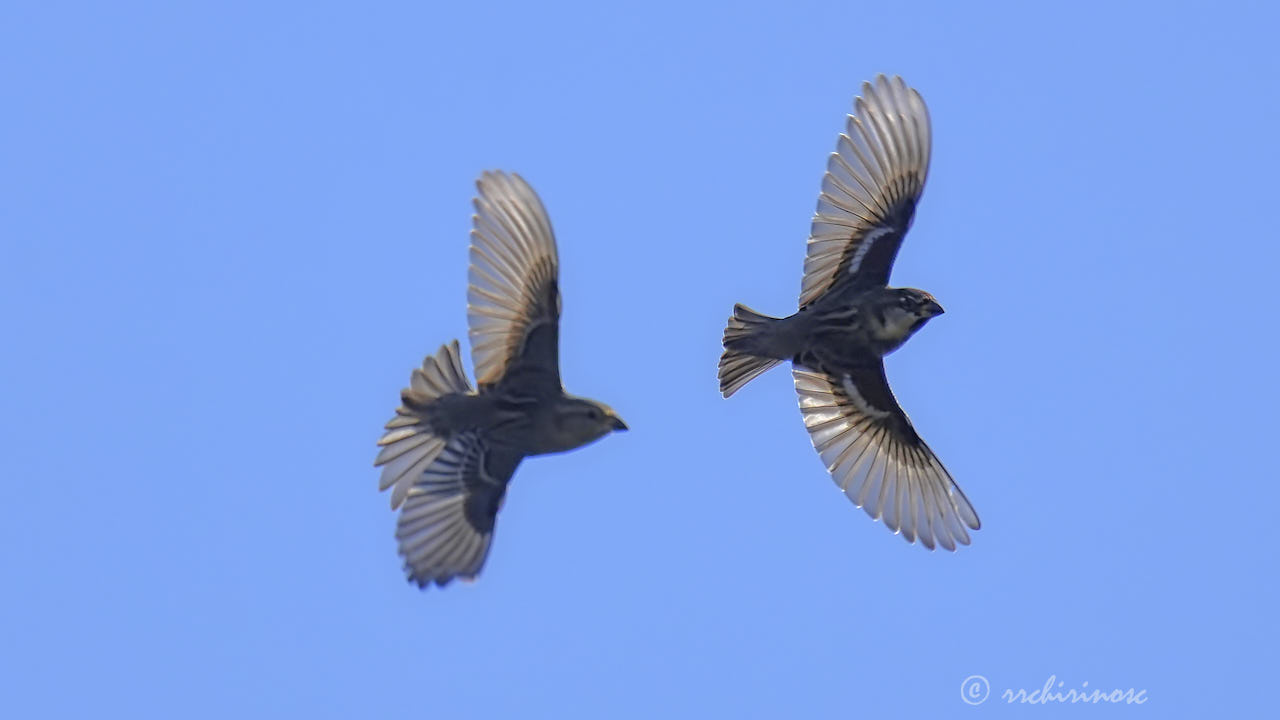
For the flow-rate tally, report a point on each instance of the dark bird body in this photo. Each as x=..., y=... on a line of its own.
x=450, y=451
x=849, y=319
x=836, y=335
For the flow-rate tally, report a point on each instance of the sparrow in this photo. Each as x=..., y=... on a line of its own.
x=849, y=319
x=450, y=451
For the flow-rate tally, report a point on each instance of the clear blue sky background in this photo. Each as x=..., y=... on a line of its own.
x=228, y=232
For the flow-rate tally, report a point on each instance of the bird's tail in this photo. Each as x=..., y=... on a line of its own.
x=412, y=443
x=743, y=338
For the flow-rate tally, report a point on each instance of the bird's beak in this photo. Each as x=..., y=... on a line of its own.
x=934, y=308
x=618, y=424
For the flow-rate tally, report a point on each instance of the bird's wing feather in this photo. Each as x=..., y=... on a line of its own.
x=869, y=192
x=875, y=456
x=446, y=526
x=513, y=296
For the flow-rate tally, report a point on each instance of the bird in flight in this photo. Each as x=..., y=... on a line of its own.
x=450, y=451
x=849, y=319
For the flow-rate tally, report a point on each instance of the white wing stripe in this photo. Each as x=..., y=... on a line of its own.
x=859, y=402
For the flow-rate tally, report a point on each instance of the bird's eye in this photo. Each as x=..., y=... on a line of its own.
x=593, y=414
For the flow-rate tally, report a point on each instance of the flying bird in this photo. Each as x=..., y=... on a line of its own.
x=849, y=319
x=450, y=451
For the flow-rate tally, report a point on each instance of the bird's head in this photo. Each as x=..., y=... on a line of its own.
x=580, y=421
x=905, y=310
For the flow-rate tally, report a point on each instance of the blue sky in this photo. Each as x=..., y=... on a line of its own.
x=229, y=231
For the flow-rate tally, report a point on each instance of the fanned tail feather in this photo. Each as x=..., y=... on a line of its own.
x=739, y=365
x=410, y=444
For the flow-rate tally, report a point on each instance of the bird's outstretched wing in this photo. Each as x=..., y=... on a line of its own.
x=446, y=526
x=875, y=456
x=870, y=191
x=513, y=297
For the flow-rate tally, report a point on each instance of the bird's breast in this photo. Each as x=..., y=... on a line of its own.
x=895, y=329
